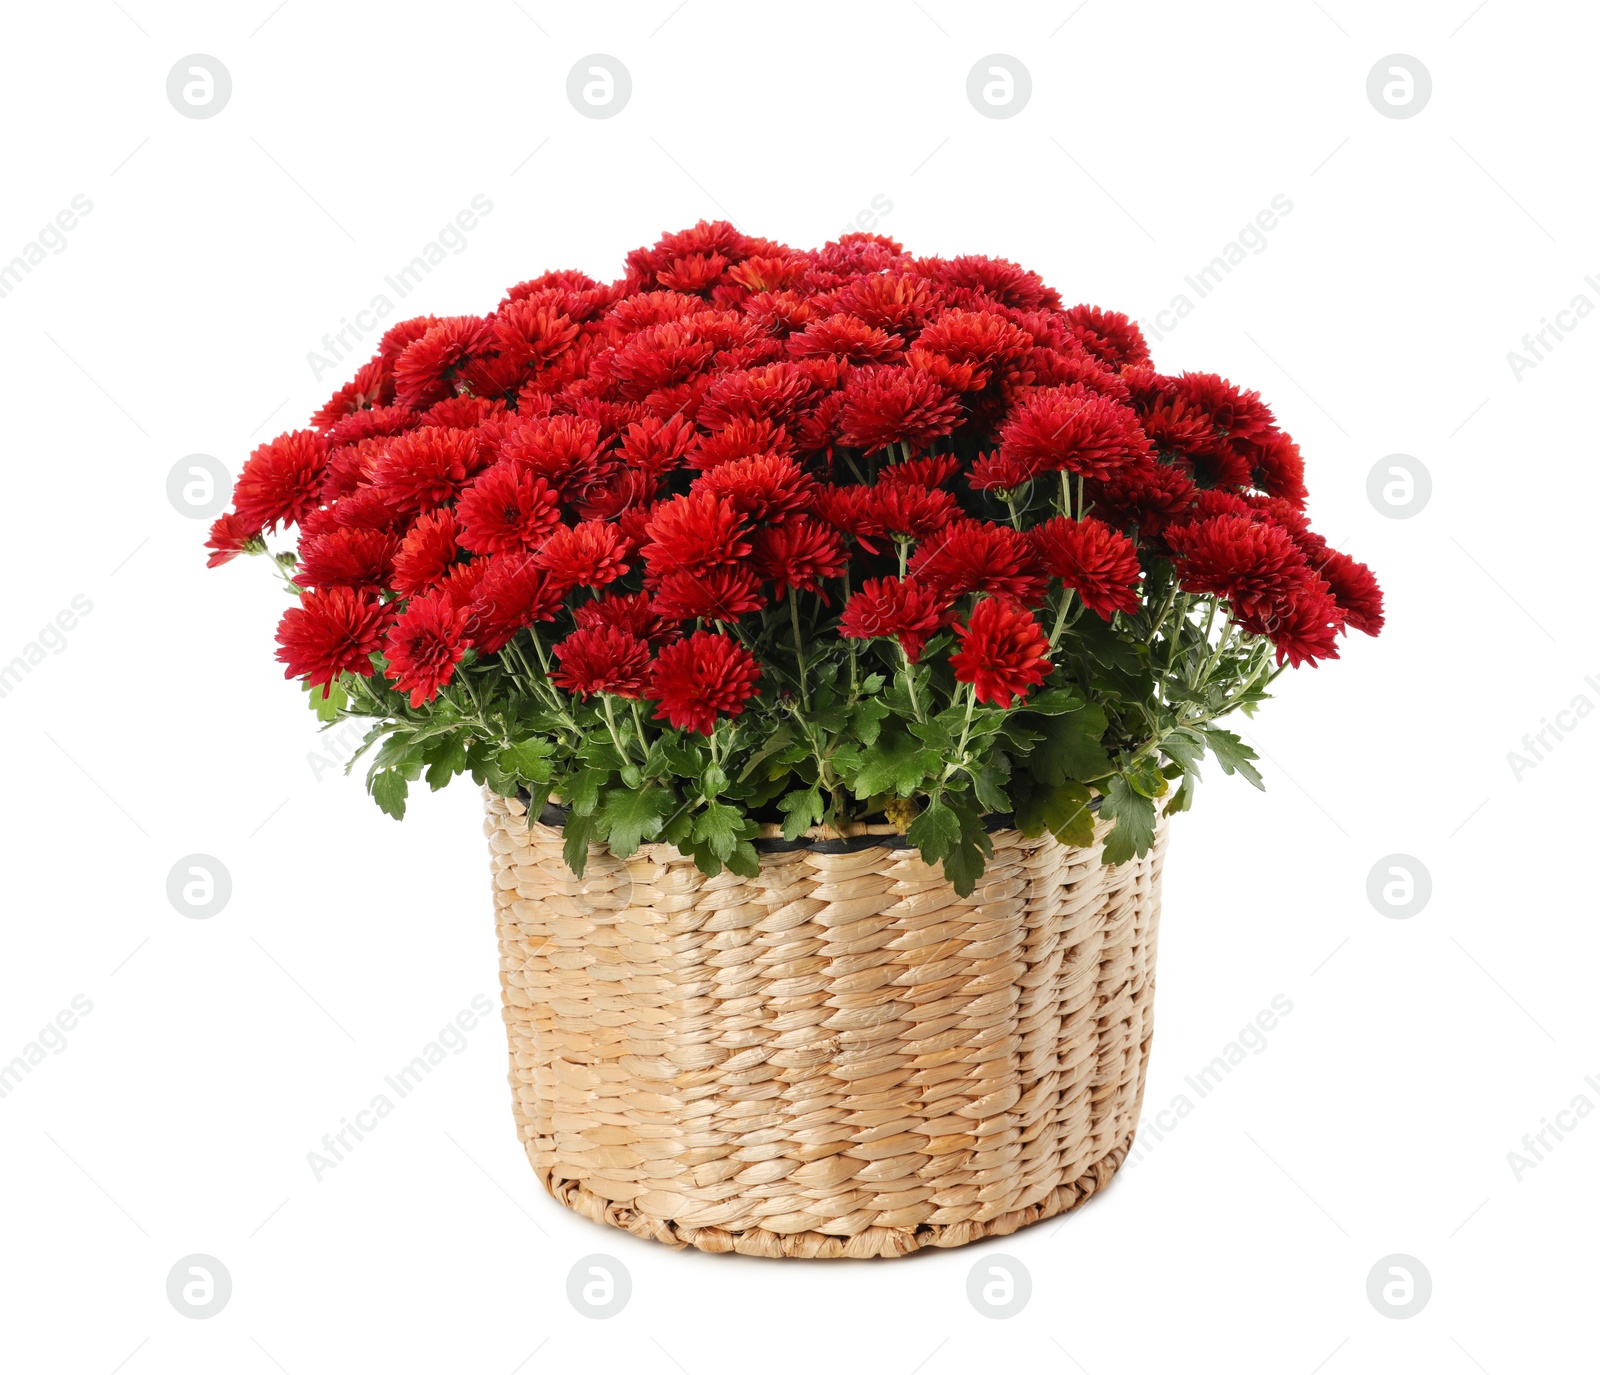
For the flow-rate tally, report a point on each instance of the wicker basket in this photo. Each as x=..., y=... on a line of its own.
x=839, y=1057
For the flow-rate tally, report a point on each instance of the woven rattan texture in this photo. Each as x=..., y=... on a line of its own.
x=839, y=1057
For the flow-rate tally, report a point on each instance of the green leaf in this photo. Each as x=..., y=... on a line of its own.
x=801, y=810
x=714, y=782
x=1186, y=749
x=630, y=816
x=1135, y=817
x=581, y=791
x=1062, y=810
x=936, y=831
x=1055, y=701
x=1071, y=747
x=718, y=828
x=744, y=860
x=780, y=739
x=965, y=864
x=868, y=719
x=989, y=787
x=327, y=708
x=575, y=848
x=684, y=759
x=872, y=683
x=388, y=788
x=896, y=764
x=1147, y=778
x=1181, y=800
x=446, y=759
x=528, y=760
x=1233, y=754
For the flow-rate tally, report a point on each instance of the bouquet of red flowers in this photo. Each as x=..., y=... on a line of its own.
x=761, y=537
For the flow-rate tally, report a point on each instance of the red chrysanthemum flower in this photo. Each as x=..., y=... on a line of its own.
x=764, y=488
x=657, y=446
x=905, y=511
x=630, y=611
x=1073, y=430
x=1302, y=620
x=1003, y=652
x=330, y=633
x=562, y=449
x=507, y=511
x=799, y=553
x=972, y=556
x=694, y=533
x=908, y=610
x=1108, y=334
x=281, y=482
x=373, y=385
x=724, y=593
x=847, y=339
x=426, y=554
x=425, y=645
x=1098, y=563
x=1000, y=472
x=1351, y=584
x=1248, y=561
x=426, y=468
x=740, y=438
x=510, y=594
x=347, y=557
x=588, y=555
x=695, y=680
x=424, y=371
x=230, y=536
x=932, y=470
x=602, y=658
x=889, y=405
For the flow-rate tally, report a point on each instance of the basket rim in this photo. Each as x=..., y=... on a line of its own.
x=816, y=841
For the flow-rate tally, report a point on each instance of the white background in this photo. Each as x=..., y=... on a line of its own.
x=177, y=320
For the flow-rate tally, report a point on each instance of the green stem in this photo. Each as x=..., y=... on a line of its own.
x=1061, y=616
x=799, y=647
x=911, y=686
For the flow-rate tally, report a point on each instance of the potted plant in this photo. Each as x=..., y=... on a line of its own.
x=832, y=634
